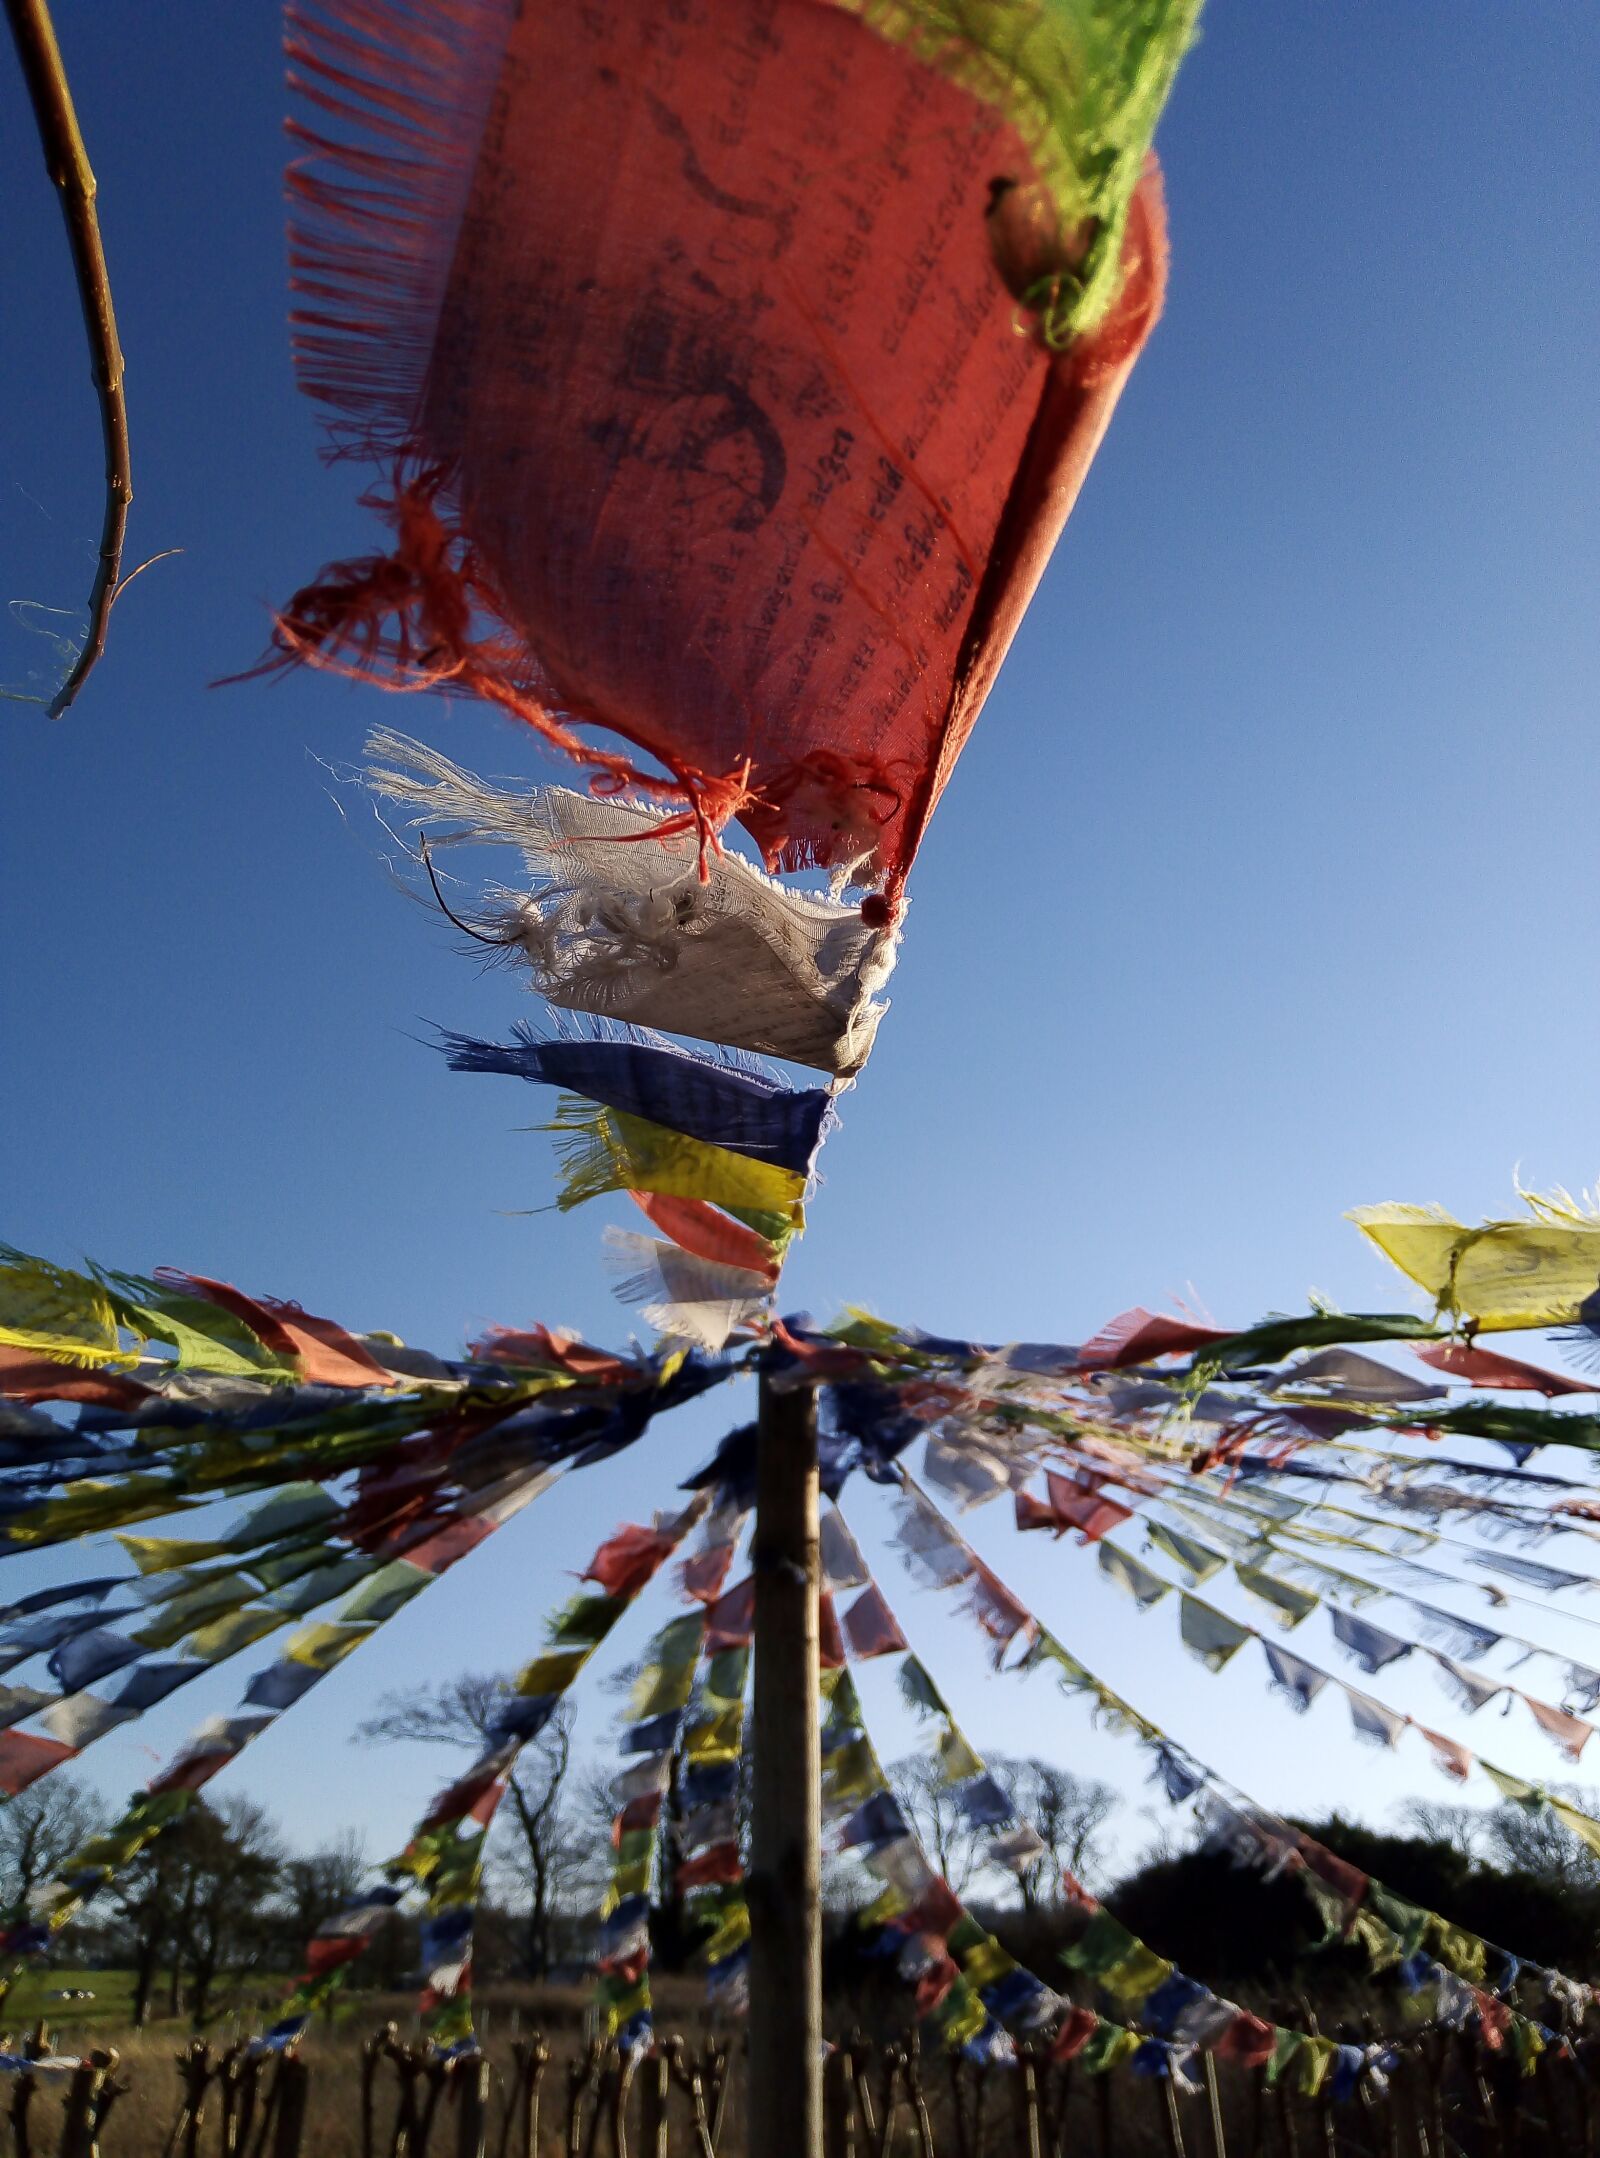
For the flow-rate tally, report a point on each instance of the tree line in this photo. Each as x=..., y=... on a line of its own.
x=219, y=1908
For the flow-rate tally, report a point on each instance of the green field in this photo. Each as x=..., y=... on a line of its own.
x=30, y=1998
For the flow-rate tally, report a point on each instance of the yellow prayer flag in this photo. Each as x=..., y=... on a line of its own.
x=733, y=1932
x=1502, y=1275
x=985, y=1963
x=1313, y=2059
x=605, y=1150
x=1138, y=1974
x=715, y=1738
x=324, y=1645
x=552, y=1673
x=234, y=1630
x=164, y=1554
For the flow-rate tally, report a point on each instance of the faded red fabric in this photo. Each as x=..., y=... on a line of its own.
x=641, y=1812
x=935, y=1911
x=830, y=1641
x=702, y=1577
x=1089, y=1511
x=327, y=1951
x=698, y=1226
x=1247, y=2040
x=1454, y=1758
x=24, y=1759
x=448, y=1544
x=717, y=1866
x=464, y=1799
x=730, y=1623
x=25, y=1376
x=933, y=1983
x=870, y=1627
x=1335, y=1872
x=325, y=1354
x=1033, y=1513
x=627, y=1560
x=1076, y=2029
x=193, y=1771
x=1570, y=1733
x=1139, y=1337
x=679, y=331
x=549, y=1347
x=1485, y=1367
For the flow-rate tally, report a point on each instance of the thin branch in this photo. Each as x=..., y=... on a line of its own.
x=67, y=162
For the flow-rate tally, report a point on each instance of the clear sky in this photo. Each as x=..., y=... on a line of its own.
x=1266, y=886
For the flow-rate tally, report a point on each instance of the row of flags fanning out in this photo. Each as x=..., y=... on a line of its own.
x=682, y=1740
x=1461, y=1977
x=1215, y=1637
x=444, y=1858
x=261, y=1397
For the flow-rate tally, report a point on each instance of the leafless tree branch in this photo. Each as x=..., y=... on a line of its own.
x=68, y=165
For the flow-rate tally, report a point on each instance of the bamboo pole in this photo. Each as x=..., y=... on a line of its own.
x=784, y=1887
x=67, y=162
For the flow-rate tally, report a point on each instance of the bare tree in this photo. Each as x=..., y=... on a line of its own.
x=316, y=1884
x=459, y=1713
x=38, y=1830
x=1537, y=1842
x=1068, y=1812
x=1468, y=1829
x=934, y=1809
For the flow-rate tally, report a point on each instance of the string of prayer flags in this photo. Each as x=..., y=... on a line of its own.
x=445, y=1854
x=650, y=1749
x=1259, y=1839
x=1181, y=2015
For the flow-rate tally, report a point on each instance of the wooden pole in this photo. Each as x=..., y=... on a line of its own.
x=784, y=1886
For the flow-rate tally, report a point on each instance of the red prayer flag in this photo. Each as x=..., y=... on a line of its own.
x=1089, y=1511
x=27, y=1376
x=1077, y=2028
x=933, y=1983
x=641, y=1812
x=193, y=1770
x=718, y=1865
x=697, y=1226
x=830, y=1642
x=1454, y=1758
x=327, y=1951
x=24, y=1759
x=870, y=1626
x=1139, y=1337
x=323, y=1352
x=548, y=1346
x=739, y=455
x=1486, y=1367
x=626, y=1561
x=1247, y=2040
x=935, y=1911
x=701, y=1578
x=731, y=1620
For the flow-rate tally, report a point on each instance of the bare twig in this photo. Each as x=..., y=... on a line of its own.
x=68, y=165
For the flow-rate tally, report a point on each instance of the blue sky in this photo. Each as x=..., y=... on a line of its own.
x=1263, y=889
